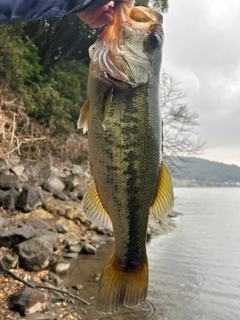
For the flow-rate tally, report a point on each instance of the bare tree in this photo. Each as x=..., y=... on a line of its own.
x=181, y=138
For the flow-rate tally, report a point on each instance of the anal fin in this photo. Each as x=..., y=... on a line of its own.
x=164, y=199
x=94, y=210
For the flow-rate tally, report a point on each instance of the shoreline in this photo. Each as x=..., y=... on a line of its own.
x=42, y=232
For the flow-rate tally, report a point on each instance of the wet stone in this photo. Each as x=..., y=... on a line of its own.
x=76, y=248
x=88, y=248
x=54, y=279
x=70, y=255
x=61, y=267
x=78, y=287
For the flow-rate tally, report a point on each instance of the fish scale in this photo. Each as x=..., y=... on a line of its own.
x=125, y=142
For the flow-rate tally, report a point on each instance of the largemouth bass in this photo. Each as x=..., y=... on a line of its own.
x=122, y=114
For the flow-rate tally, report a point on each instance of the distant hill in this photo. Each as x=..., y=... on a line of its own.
x=194, y=172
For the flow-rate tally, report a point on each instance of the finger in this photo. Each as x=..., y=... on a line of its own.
x=92, y=15
x=105, y=18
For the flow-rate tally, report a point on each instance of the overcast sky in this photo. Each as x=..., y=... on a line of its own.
x=202, y=49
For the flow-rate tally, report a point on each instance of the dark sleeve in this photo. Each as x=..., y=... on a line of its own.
x=27, y=10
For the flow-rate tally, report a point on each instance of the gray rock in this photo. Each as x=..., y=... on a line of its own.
x=4, y=224
x=38, y=223
x=71, y=182
x=16, y=315
x=27, y=301
x=70, y=255
x=10, y=238
x=35, y=254
x=78, y=287
x=56, y=183
x=49, y=236
x=76, y=248
x=71, y=195
x=10, y=261
x=9, y=181
x=88, y=248
x=29, y=199
x=18, y=169
x=14, y=159
x=3, y=166
x=61, y=195
x=47, y=186
x=9, y=198
x=32, y=170
x=76, y=169
x=62, y=229
x=54, y=279
x=70, y=242
x=3, y=252
x=61, y=267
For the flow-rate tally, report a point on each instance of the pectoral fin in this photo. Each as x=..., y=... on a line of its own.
x=83, y=118
x=164, y=199
x=94, y=210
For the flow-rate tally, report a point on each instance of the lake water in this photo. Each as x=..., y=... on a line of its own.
x=194, y=270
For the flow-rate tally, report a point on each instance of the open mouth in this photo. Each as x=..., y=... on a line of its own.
x=109, y=77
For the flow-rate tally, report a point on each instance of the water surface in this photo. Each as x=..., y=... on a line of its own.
x=194, y=270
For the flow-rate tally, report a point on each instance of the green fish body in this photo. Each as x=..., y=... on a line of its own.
x=125, y=142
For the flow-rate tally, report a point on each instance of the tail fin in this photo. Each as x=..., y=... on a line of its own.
x=118, y=288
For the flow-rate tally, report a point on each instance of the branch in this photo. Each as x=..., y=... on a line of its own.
x=14, y=276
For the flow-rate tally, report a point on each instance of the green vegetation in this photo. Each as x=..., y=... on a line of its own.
x=45, y=64
x=44, y=67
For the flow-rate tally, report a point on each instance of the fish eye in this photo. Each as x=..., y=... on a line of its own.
x=155, y=40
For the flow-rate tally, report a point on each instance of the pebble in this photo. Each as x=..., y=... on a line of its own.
x=62, y=229
x=78, y=287
x=70, y=255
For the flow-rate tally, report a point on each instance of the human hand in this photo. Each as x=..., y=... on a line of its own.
x=98, y=17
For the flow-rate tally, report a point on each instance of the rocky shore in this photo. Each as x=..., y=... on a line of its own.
x=42, y=227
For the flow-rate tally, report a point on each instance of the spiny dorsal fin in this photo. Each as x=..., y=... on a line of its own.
x=164, y=199
x=93, y=209
x=83, y=118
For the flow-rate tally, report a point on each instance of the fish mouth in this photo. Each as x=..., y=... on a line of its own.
x=116, y=55
x=109, y=77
